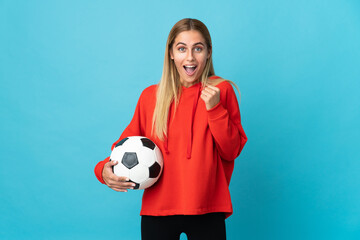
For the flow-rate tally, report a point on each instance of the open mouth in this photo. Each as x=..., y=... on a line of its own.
x=190, y=69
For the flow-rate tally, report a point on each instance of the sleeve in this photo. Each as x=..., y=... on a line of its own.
x=133, y=129
x=225, y=125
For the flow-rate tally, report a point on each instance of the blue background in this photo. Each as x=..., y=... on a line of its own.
x=71, y=73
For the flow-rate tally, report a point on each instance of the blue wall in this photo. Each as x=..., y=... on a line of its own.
x=71, y=73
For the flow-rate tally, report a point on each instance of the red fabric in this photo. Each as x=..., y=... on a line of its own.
x=199, y=184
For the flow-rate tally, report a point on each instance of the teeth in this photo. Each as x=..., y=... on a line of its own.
x=193, y=67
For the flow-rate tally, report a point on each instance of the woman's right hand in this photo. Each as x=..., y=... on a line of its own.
x=119, y=184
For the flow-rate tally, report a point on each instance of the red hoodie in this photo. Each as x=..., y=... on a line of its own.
x=198, y=153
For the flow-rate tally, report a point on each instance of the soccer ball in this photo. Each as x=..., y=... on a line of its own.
x=139, y=159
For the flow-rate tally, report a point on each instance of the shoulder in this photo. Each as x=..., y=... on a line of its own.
x=149, y=92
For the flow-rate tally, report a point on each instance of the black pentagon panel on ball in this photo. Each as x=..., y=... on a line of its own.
x=154, y=170
x=148, y=143
x=130, y=160
x=121, y=142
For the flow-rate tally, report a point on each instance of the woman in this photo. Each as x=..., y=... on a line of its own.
x=194, y=117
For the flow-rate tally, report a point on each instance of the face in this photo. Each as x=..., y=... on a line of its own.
x=190, y=54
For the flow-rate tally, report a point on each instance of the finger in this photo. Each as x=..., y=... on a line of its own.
x=110, y=164
x=118, y=179
x=124, y=184
x=121, y=184
x=208, y=93
x=204, y=96
x=113, y=163
x=213, y=88
x=119, y=189
x=123, y=179
x=114, y=185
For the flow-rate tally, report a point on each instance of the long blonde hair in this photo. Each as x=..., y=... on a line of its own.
x=169, y=87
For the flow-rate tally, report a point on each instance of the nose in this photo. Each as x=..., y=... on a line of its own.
x=190, y=56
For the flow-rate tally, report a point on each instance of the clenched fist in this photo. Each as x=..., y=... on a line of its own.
x=211, y=96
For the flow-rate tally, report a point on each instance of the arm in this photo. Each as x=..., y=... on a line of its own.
x=224, y=122
x=103, y=167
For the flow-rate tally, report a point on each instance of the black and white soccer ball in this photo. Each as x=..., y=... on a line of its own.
x=139, y=159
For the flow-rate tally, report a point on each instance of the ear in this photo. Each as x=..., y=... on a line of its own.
x=209, y=53
x=171, y=54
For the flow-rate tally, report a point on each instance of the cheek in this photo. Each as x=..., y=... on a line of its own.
x=177, y=64
x=202, y=60
x=178, y=59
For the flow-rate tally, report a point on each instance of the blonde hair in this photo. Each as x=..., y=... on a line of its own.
x=169, y=87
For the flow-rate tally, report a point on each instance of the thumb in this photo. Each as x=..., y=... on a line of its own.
x=112, y=163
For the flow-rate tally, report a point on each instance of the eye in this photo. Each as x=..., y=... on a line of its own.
x=181, y=49
x=198, y=49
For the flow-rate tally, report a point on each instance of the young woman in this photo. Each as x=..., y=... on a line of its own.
x=194, y=118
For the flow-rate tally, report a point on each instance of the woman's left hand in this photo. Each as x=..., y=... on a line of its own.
x=211, y=96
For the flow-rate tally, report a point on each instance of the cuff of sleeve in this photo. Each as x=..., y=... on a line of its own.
x=217, y=111
x=99, y=168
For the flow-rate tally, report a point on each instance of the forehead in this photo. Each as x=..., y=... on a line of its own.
x=189, y=37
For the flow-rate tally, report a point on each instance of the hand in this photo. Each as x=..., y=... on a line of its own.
x=211, y=96
x=119, y=184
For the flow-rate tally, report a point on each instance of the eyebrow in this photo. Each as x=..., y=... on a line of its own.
x=198, y=43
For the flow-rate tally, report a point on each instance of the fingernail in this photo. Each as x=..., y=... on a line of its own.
x=127, y=179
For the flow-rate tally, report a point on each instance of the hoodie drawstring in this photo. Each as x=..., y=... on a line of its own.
x=196, y=100
x=190, y=139
x=167, y=134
